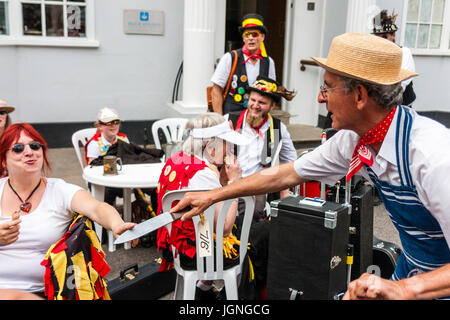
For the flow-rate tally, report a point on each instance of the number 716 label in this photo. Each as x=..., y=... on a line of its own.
x=205, y=238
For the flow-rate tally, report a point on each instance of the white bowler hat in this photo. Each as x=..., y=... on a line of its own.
x=107, y=114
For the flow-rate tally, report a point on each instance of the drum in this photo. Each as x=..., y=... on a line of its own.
x=385, y=257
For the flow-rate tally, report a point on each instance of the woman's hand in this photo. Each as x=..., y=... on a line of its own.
x=122, y=227
x=232, y=168
x=9, y=232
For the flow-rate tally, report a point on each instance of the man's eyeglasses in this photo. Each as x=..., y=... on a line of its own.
x=254, y=34
x=324, y=90
x=20, y=147
x=110, y=123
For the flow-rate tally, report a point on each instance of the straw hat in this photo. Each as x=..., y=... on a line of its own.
x=365, y=57
x=4, y=106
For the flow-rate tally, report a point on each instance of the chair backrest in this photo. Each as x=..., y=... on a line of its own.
x=81, y=137
x=207, y=268
x=172, y=128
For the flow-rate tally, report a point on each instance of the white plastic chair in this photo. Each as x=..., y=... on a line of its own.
x=81, y=137
x=172, y=128
x=207, y=269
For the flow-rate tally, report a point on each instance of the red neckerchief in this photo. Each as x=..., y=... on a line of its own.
x=362, y=154
x=241, y=120
x=251, y=55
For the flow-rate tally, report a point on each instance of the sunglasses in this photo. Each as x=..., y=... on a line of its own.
x=254, y=34
x=19, y=147
x=110, y=123
x=3, y=112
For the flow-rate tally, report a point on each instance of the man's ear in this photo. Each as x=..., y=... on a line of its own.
x=361, y=96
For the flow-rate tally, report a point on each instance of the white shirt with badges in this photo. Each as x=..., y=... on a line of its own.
x=222, y=72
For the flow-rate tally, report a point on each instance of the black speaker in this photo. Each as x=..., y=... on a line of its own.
x=307, y=249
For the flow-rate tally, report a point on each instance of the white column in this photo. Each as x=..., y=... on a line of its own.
x=198, y=55
x=360, y=14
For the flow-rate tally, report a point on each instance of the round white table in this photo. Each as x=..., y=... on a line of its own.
x=131, y=176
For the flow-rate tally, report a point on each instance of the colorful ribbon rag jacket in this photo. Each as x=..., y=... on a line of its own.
x=98, y=138
x=75, y=265
x=176, y=173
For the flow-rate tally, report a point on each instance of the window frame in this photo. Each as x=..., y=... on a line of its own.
x=17, y=38
x=444, y=49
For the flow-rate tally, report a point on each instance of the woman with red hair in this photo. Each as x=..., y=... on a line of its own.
x=35, y=211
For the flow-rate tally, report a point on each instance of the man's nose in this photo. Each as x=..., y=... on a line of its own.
x=320, y=98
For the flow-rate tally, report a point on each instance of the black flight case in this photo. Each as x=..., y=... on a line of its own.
x=308, y=247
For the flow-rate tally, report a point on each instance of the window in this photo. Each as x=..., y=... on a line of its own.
x=4, y=23
x=427, y=26
x=47, y=22
x=61, y=18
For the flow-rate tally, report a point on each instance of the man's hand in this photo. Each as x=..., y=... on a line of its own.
x=372, y=287
x=198, y=201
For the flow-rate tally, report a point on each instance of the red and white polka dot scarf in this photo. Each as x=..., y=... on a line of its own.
x=362, y=154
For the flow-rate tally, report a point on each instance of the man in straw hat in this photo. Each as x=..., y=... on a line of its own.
x=252, y=60
x=405, y=155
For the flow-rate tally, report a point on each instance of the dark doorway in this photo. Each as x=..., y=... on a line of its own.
x=274, y=14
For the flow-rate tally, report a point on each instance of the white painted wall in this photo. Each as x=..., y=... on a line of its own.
x=132, y=73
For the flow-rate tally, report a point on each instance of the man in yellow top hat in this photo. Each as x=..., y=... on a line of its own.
x=252, y=61
x=405, y=155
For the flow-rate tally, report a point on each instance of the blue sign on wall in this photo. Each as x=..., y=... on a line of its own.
x=144, y=16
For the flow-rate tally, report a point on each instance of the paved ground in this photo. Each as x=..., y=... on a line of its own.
x=65, y=165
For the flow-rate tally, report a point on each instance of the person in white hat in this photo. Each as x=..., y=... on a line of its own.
x=404, y=154
x=108, y=125
x=5, y=119
x=206, y=162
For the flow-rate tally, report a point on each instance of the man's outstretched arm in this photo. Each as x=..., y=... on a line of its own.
x=263, y=182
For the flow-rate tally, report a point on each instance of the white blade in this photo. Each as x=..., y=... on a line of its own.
x=145, y=227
